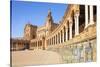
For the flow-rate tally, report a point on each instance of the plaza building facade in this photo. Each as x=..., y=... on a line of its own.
x=74, y=37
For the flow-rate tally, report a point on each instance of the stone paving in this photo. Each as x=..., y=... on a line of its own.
x=54, y=55
x=35, y=57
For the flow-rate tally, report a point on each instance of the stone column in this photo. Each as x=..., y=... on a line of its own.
x=57, y=39
x=37, y=44
x=86, y=16
x=70, y=30
x=62, y=35
x=54, y=40
x=77, y=23
x=42, y=43
x=47, y=41
x=50, y=41
x=91, y=15
x=66, y=33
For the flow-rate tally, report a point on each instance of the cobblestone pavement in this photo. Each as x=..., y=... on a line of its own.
x=35, y=57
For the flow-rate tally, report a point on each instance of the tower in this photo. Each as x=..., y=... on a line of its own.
x=49, y=22
x=30, y=31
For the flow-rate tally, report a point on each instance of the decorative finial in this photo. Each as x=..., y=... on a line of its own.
x=49, y=12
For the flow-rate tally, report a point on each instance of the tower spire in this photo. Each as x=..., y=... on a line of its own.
x=49, y=12
x=49, y=16
x=49, y=19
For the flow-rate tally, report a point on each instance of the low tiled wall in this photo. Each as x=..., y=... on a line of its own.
x=82, y=48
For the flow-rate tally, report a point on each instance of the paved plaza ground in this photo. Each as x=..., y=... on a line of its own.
x=35, y=57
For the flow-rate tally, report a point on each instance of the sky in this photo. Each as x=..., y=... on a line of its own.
x=33, y=12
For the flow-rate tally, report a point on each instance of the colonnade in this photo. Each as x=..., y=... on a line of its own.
x=38, y=44
x=17, y=45
x=62, y=35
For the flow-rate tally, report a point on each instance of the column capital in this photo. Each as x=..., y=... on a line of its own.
x=66, y=27
x=70, y=19
x=76, y=13
x=66, y=33
x=70, y=24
